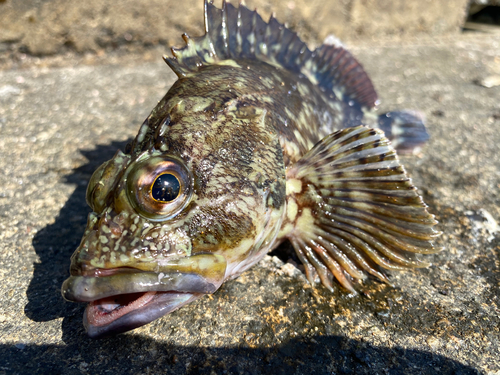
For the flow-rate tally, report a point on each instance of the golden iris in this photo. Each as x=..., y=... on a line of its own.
x=159, y=187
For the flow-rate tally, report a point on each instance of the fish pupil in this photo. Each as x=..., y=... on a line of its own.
x=165, y=188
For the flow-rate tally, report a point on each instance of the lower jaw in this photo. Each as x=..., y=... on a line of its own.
x=144, y=309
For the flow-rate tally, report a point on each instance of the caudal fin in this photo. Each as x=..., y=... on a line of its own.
x=405, y=129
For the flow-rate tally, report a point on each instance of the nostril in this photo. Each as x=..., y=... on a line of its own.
x=121, y=218
x=115, y=229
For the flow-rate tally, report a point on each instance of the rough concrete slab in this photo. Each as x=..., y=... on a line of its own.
x=51, y=26
x=403, y=18
x=57, y=124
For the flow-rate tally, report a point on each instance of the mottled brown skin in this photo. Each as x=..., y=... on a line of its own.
x=234, y=128
x=224, y=125
x=297, y=110
x=245, y=133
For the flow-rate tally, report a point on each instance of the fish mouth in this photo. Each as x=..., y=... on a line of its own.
x=121, y=299
x=124, y=312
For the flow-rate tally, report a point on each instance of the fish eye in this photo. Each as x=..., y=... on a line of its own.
x=166, y=188
x=159, y=187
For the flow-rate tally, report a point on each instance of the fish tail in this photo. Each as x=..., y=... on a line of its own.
x=405, y=129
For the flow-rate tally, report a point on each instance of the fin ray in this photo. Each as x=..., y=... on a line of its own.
x=299, y=247
x=364, y=211
x=405, y=129
x=403, y=259
x=344, y=241
x=341, y=258
x=239, y=33
x=366, y=245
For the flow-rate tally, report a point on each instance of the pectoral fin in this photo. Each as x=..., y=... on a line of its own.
x=352, y=208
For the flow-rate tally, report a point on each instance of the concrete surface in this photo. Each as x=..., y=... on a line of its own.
x=60, y=118
x=51, y=26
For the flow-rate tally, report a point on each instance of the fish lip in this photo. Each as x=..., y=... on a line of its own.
x=143, y=310
x=125, y=298
x=200, y=273
x=92, y=288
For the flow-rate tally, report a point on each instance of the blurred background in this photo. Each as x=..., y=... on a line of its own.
x=48, y=27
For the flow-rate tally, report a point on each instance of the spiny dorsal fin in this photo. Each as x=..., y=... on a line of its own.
x=353, y=208
x=239, y=33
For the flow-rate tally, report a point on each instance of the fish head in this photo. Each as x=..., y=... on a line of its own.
x=174, y=218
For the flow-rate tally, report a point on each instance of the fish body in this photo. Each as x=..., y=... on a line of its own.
x=259, y=141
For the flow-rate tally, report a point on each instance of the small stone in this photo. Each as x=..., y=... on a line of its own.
x=490, y=81
x=8, y=90
x=290, y=270
x=433, y=342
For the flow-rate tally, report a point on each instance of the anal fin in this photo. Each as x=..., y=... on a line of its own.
x=351, y=210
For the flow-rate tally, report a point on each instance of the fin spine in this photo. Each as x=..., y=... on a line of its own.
x=239, y=33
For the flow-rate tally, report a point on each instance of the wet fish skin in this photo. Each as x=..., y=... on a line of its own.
x=232, y=150
x=243, y=141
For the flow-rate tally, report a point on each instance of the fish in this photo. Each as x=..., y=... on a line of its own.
x=258, y=142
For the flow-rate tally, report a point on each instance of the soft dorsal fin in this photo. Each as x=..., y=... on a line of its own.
x=238, y=33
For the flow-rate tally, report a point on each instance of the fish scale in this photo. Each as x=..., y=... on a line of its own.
x=261, y=141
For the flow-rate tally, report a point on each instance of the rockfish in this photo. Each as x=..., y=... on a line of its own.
x=259, y=141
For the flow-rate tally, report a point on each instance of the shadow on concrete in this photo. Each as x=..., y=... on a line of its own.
x=135, y=354
x=55, y=243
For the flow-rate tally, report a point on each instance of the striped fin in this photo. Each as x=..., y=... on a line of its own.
x=238, y=33
x=352, y=209
x=405, y=129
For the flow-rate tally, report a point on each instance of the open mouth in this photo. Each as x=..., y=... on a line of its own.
x=116, y=314
x=121, y=299
x=104, y=311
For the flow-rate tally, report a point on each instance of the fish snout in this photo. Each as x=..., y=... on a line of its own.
x=202, y=273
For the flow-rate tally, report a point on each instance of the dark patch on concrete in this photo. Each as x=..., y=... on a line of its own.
x=307, y=355
x=55, y=243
